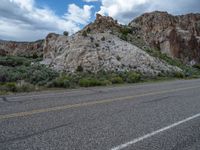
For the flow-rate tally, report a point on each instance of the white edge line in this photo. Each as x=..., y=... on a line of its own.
x=134, y=141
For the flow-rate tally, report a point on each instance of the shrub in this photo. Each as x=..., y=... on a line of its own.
x=79, y=68
x=118, y=58
x=63, y=81
x=16, y=87
x=179, y=75
x=133, y=77
x=40, y=74
x=35, y=56
x=25, y=87
x=88, y=30
x=11, y=86
x=196, y=66
x=11, y=74
x=124, y=37
x=117, y=80
x=103, y=38
x=84, y=33
x=87, y=82
x=126, y=30
x=35, y=74
x=105, y=82
x=14, y=61
x=65, y=33
x=97, y=44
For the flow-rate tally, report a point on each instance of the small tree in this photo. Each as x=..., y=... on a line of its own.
x=84, y=33
x=79, y=68
x=65, y=33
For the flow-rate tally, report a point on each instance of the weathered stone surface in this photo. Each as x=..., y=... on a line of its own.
x=177, y=36
x=21, y=48
x=102, y=24
x=100, y=51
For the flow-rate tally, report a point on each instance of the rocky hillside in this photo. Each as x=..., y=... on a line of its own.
x=28, y=49
x=177, y=36
x=97, y=48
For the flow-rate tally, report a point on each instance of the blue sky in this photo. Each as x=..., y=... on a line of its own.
x=29, y=20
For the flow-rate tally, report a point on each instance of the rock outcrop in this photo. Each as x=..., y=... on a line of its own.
x=21, y=48
x=95, y=49
x=177, y=36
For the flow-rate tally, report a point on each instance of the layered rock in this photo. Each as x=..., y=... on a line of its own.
x=177, y=36
x=98, y=49
x=21, y=48
x=102, y=24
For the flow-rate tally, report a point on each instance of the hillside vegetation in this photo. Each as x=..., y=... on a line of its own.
x=20, y=74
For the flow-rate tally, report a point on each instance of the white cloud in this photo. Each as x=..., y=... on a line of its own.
x=120, y=9
x=79, y=15
x=22, y=20
x=88, y=1
x=126, y=10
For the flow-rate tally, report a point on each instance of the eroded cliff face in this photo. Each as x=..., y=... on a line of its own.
x=21, y=48
x=177, y=36
x=95, y=48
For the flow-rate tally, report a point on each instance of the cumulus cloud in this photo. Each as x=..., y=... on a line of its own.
x=125, y=11
x=22, y=20
x=79, y=15
x=88, y=1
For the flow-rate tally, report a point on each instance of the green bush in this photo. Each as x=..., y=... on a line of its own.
x=35, y=74
x=40, y=74
x=79, y=69
x=124, y=37
x=11, y=86
x=117, y=80
x=14, y=61
x=196, y=66
x=88, y=30
x=25, y=87
x=84, y=33
x=103, y=38
x=16, y=87
x=179, y=75
x=105, y=82
x=87, y=82
x=65, y=33
x=126, y=30
x=133, y=77
x=62, y=82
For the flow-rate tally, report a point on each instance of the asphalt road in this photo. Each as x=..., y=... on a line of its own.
x=150, y=116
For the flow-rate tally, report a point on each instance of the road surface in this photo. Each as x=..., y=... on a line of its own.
x=149, y=116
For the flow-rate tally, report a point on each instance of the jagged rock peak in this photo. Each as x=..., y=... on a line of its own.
x=105, y=19
x=102, y=24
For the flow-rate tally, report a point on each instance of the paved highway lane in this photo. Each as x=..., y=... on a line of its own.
x=150, y=116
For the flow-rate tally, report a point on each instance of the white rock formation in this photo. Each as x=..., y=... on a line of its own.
x=100, y=51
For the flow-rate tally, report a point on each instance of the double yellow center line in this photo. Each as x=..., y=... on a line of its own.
x=64, y=107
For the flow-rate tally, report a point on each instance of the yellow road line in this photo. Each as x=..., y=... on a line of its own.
x=38, y=111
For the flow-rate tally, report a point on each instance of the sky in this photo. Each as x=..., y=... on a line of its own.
x=30, y=20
